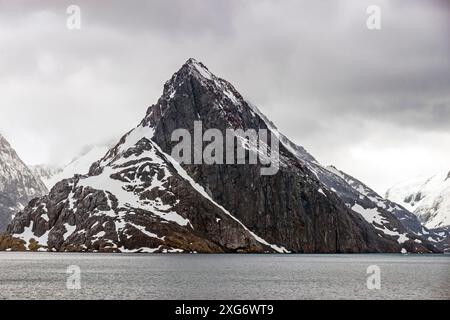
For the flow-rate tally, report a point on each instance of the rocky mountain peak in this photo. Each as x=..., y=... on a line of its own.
x=5, y=147
x=196, y=74
x=198, y=68
x=18, y=184
x=190, y=70
x=10, y=163
x=194, y=93
x=138, y=198
x=2, y=139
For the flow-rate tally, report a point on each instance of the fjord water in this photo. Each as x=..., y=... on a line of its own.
x=198, y=276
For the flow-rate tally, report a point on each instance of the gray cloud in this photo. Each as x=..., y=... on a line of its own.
x=375, y=103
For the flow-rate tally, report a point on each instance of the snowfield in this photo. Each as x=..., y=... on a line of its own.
x=427, y=197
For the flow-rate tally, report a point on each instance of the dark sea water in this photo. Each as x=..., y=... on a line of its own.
x=197, y=276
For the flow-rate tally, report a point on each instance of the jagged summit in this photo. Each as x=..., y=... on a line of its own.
x=194, y=69
x=198, y=66
x=191, y=68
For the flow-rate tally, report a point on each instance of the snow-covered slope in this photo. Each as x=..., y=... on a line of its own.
x=427, y=197
x=18, y=184
x=50, y=175
x=135, y=202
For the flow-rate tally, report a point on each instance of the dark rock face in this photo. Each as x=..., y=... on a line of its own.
x=138, y=198
x=18, y=185
x=286, y=208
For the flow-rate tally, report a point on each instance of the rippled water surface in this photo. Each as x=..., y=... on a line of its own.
x=184, y=276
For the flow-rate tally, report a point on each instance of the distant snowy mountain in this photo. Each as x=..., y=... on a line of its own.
x=426, y=197
x=79, y=165
x=45, y=172
x=18, y=184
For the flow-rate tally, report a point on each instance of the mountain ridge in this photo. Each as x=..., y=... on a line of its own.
x=137, y=198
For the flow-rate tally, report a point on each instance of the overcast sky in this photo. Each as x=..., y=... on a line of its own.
x=374, y=103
